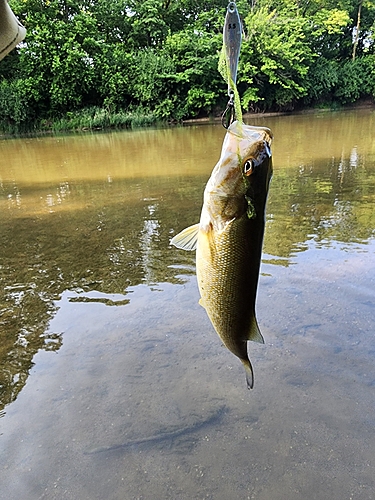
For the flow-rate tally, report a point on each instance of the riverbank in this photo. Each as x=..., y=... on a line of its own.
x=99, y=119
x=87, y=119
x=362, y=104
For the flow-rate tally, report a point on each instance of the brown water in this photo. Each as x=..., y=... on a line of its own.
x=113, y=382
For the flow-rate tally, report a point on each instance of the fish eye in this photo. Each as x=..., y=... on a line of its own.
x=248, y=167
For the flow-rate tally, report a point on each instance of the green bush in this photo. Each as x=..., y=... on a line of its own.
x=15, y=110
x=322, y=80
x=355, y=79
x=96, y=118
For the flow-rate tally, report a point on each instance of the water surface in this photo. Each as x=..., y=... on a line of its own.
x=114, y=384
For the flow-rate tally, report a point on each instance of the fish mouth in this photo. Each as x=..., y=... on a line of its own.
x=250, y=132
x=247, y=142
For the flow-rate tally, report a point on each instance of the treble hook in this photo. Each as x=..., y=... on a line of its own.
x=227, y=118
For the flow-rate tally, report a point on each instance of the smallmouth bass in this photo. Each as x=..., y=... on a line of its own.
x=228, y=239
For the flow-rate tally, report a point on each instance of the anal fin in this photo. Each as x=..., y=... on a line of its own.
x=254, y=333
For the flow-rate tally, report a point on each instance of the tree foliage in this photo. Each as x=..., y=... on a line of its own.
x=159, y=57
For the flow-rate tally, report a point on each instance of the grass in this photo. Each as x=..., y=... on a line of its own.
x=96, y=118
x=93, y=118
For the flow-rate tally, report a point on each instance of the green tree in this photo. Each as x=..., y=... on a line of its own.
x=275, y=59
x=195, y=83
x=57, y=62
x=160, y=57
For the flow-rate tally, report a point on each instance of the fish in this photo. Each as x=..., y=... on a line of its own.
x=228, y=239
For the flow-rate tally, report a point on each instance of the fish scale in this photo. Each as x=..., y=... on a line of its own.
x=227, y=286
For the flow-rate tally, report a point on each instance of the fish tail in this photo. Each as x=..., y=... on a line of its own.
x=249, y=373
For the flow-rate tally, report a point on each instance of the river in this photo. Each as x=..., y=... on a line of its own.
x=114, y=384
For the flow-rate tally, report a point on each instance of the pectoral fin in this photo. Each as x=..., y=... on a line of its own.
x=254, y=332
x=186, y=239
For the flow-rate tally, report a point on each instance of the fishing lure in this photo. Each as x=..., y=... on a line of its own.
x=228, y=64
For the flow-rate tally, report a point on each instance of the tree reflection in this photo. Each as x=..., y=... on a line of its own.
x=324, y=201
x=119, y=239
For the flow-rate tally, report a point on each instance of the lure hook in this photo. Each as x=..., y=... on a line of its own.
x=228, y=116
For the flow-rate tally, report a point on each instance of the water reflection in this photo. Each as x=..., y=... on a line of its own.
x=119, y=237
x=93, y=215
x=324, y=201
